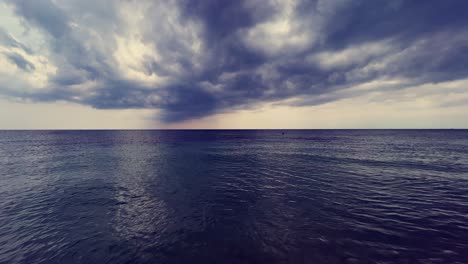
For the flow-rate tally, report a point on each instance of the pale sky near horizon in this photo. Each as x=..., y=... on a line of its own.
x=105, y=64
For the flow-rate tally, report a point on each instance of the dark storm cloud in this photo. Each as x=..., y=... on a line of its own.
x=250, y=52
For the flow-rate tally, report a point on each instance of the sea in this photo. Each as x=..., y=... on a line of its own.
x=234, y=196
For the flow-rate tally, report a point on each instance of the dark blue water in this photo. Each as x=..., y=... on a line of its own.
x=325, y=196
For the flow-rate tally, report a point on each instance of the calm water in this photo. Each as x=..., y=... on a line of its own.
x=326, y=196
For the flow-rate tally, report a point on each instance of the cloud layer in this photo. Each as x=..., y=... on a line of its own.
x=192, y=59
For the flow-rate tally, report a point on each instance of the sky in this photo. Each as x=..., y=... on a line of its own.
x=142, y=64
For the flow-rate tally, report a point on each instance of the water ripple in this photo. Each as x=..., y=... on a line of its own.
x=325, y=196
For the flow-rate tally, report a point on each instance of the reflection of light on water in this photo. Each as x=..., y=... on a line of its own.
x=140, y=214
x=273, y=201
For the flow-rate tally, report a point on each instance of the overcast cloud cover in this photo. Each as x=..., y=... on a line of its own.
x=193, y=59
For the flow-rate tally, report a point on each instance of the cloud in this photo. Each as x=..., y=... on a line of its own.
x=7, y=40
x=20, y=61
x=192, y=59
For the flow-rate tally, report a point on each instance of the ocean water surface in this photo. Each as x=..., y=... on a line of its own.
x=253, y=196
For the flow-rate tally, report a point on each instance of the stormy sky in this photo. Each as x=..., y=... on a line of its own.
x=212, y=63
